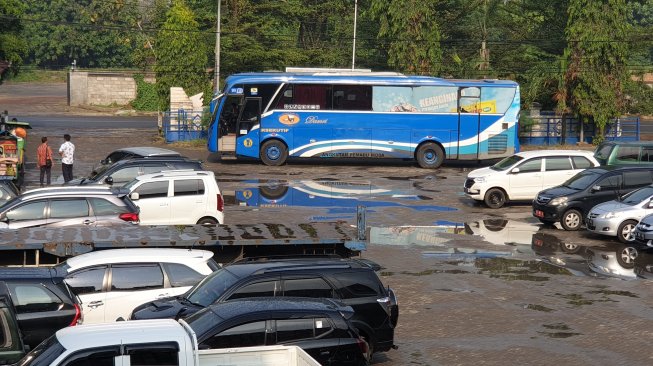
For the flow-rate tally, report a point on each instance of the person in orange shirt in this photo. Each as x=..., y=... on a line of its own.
x=44, y=159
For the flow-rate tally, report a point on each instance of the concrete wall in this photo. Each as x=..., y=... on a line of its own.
x=102, y=88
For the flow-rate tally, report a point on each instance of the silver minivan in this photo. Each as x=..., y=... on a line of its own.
x=620, y=217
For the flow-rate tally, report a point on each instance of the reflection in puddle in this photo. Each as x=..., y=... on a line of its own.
x=512, y=269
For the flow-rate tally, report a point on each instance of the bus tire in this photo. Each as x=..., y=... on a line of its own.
x=430, y=155
x=274, y=153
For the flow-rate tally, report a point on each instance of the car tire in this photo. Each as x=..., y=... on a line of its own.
x=626, y=231
x=626, y=256
x=273, y=153
x=570, y=248
x=571, y=220
x=495, y=198
x=429, y=156
x=207, y=221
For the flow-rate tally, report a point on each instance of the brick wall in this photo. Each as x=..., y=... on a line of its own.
x=102, y=88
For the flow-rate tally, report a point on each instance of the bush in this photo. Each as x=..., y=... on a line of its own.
x=147, y=98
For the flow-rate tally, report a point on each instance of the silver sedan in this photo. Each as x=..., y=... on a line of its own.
x=620, y=217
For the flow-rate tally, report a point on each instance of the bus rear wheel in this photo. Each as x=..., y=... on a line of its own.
x=274, y=153
x=430, y=156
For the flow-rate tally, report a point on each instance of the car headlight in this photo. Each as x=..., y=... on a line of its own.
x=479, y=180
x=558, y=201
x=612, y=214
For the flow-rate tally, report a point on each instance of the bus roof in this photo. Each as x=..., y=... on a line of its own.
x=358, y=78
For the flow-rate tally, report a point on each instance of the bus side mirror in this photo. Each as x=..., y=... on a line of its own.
x=108, y=180
x=134, y=196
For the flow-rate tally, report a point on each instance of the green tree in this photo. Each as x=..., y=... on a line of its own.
x=180, y=55
x=12, y=45
x=597, y=52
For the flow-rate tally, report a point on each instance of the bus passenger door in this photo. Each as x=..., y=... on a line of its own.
x=469, y=122
x=228, y=123
x=250, y=116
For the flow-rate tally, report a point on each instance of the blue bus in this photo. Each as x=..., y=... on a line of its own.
x=273, y=116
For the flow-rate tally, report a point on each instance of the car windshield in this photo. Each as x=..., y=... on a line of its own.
x=507, y=163
x=44, y=354
x=98, y=172
x=582, y=180
x=209, y=289
x=603, y=151
x=638, y=196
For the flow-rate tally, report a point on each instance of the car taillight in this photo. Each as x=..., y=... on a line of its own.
x=220, y=203
x=363, y=346
x=78, y=316
x=129, y=216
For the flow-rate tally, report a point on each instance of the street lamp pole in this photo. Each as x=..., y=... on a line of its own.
x=353, y=51
x=216, y=71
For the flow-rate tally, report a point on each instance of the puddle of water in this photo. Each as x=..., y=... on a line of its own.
x=428, y=272
x=612, y=292
x=557, y=326
x=513, y=269
x=417, y=177
x=538, y=308
x=559, y=334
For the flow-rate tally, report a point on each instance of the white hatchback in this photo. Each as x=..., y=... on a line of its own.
x=521, y=176
x=111, y=283
x=177, y=197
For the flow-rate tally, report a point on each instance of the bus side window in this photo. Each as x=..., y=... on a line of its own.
x=352, y=97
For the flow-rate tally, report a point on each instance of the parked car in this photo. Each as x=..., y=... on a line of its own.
x=68, y=206
x=570, y=202
x=519, y=177
x=124, y=171
x=644, y=231
x=624, y=153
x=614, y=262
x=11, y=343
x=349, y=280
x=137, y=152
x=177, y=197
x=111, y=283
x=318, y=326
x=42, y=301
x=620, y=217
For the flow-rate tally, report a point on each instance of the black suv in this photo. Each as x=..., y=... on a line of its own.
x=124, y=171
x=352, y=281
x=11, y=344
x=42, y=301
x=570, y=202
x=318, y=326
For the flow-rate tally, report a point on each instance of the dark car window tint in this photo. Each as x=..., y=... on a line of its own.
x=115, y=156
x=307, y=287
x=212, y=287
x=636, y=179
x=628, y=153
x=245, y=335
x=187, y=165
x=352, y=97
x=189, y=187
x=154, y=356
x=103, y=207
x=180, y=275
x=610, y=183
x=322, y=326
x=153, y=189
x=8, y=332
x=359, y=284
x=258, y=289
x=136, y=277
x=86, y=281
x=33, y=298
x=647, y=155
x=581, y=162
x=63, y=209
x=99, y=358
x=289, y=330
x=125, y=174
x=533, y=165
x=557, y=163
x=28, y=211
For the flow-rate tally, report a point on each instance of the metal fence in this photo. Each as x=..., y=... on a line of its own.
x=183, y=125
x=548, y=130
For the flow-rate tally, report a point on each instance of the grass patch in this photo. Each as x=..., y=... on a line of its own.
x=39, y=76
x=190, y=144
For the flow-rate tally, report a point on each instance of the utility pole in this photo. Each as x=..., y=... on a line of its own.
x=353, y=51
x=216, y=71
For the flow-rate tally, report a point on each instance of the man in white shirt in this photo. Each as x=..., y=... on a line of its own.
x=67, y=150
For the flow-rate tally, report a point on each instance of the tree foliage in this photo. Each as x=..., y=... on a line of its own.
x=12, y=44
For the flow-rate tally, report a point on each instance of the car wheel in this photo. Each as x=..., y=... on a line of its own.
x=626, y=231
x=429, y=156
x=626, y=256
x=274, y=153
x=495, y=198
x=570, y=248
x=207, y=221
x=571, y=220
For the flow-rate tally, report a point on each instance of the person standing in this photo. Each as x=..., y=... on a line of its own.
x=44, y=160
x=67, y=150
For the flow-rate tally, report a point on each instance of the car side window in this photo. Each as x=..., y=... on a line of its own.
x=95, y=358
x=153, y=356
x=555, y=163
x=610, y=183
x=125, y=174
x=115, y=156
x=189, y=187
x=257, y=289
x=647, y=154
x=628, y=154
x=530, y=166
x=180, y=275
x=31, y=298
x=87, y=281
x=152, y=190
x=64, y=209
x=102, y=207
x=637, y=179
x=307, y=287
x=9, y=337
x=359, y=284
x=28, y=211
x=581, y=162
x=289, y=330
x=136, y=277
x=244, y=335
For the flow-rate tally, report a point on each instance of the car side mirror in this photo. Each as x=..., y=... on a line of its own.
x=134, y=196
x=596, y=188
x=108, y=180
x=650, y=203
x=514, y=171
x=104, y=161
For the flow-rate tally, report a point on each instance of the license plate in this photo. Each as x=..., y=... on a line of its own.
x=539, y=213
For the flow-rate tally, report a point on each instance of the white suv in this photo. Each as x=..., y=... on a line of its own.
x=521, y=176
x=177, y=197
x=111, y=283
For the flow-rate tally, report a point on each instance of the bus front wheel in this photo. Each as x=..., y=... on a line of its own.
x=430, y=156
x=274, y=153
